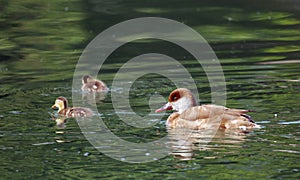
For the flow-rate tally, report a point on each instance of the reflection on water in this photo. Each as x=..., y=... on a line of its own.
x=93, y=97
x=257, y=43
x=184, y=141
x=61, y=122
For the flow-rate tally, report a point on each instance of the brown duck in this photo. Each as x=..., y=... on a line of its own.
x=190, y=115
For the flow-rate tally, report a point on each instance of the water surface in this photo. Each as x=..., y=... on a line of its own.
x=257, y=43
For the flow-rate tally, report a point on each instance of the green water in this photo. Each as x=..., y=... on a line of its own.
x=258, y=46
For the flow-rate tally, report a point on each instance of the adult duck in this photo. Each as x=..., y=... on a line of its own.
x=62, y=104
x=93, y=85
x=190, y=115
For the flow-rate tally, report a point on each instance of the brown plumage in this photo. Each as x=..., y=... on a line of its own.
x=190, y=115
x=93, y=85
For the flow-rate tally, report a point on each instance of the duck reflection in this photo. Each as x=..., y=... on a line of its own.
x=59, y=119
x=183, y=142
x=61, y=122
x=93, y=97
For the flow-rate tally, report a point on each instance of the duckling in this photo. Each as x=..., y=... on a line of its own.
x=62, y=104
x=93, y=85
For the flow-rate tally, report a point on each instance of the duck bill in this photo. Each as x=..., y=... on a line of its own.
x=53, y=107
x=165, y=107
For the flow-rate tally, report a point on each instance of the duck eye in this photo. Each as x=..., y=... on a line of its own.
x=174, y=96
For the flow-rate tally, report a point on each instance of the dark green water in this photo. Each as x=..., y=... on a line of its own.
x=257, y=43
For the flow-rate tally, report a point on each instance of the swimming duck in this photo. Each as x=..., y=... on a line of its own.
x=62, y=104
x=190, y=115
x=93, y=85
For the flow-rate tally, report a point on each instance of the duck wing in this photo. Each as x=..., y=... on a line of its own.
x=203, y=112
x=211, y=110
x=215, y=114
x=79, y=112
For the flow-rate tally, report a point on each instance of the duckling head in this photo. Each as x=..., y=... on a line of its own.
x=86, y=79
x=60, y=103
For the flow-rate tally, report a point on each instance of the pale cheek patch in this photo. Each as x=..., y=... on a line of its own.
x=181, y=105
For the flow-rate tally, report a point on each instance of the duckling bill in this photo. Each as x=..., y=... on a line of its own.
x=62, y=104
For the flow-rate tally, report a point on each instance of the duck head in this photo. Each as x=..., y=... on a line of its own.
x=179, y=100
x=60, y=103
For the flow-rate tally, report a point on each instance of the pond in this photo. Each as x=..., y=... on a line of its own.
x=257, y=44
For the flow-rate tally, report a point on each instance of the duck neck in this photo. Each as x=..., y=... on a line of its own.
x=185, y=103
x=60, y=109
